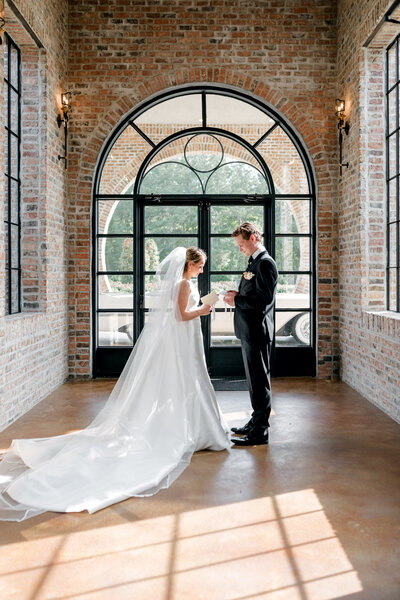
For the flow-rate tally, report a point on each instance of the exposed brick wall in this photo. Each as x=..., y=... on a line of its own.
x=369, y=344
x=284, y=52
x=33, y=343
x=33, y=129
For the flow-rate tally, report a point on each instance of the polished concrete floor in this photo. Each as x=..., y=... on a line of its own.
x=313, y=516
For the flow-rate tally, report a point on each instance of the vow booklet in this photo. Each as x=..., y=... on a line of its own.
x=211, y=298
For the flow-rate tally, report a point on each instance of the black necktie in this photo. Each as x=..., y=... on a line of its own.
x=250, y=261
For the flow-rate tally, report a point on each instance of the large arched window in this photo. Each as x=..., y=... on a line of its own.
x=185, y=168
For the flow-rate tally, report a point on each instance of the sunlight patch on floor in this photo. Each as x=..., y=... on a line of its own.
x=273, y=548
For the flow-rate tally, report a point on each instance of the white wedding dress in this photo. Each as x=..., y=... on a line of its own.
x=162, y=409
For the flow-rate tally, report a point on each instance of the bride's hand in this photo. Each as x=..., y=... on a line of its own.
x=204, y=310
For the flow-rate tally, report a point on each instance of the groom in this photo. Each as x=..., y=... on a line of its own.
x=254, y=326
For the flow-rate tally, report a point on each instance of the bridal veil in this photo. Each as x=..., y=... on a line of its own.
x=160, y=411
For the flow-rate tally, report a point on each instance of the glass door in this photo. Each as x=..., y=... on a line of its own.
x=136, y=233
x=226, y=265
x=208, y=223
x=165, y=227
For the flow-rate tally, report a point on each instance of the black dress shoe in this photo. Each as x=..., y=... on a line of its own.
x=241, y=430
x=251, y=439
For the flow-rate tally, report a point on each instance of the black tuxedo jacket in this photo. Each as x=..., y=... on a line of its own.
x=254, y=314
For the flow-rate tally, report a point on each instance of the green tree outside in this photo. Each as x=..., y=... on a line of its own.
x=176, y=178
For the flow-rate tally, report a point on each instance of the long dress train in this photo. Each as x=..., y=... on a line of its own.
x=162, y=409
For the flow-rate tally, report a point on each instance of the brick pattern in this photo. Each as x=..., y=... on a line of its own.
x=32, y=131
x=369, y=353
x=284, y=52
x=33, y=343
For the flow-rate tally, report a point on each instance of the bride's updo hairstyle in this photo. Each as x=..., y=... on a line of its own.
x=194, y=255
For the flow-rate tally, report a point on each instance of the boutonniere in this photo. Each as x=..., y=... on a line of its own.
x=248, y=275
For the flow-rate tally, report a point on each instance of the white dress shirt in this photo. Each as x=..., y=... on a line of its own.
x=258, y=251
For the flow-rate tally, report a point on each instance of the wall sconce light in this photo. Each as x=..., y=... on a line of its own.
x=342, y=126
x=63, y=119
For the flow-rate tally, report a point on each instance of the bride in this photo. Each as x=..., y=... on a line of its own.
x=162, y=409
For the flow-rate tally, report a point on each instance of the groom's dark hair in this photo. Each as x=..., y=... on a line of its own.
x=246, y=229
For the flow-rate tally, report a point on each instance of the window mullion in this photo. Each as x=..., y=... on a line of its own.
x=397, y=295
x=204, y=109
x=12, y=174
x=19, y=181
x=9, y=248
x=392, y=204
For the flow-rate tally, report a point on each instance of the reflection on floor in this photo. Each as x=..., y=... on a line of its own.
x=314, y=516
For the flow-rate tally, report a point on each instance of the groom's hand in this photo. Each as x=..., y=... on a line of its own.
x=229, y=297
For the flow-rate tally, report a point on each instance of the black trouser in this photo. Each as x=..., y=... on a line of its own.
x=257, y=367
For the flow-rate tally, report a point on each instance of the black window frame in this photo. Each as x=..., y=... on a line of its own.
x=13, y=200
x=392, y=179
x=105, y=360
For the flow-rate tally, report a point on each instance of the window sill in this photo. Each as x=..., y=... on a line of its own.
x=384, y=322
x=23, y=315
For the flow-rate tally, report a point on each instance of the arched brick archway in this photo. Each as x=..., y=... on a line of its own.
x=83, y=165
x=294, y=114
